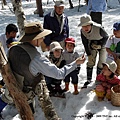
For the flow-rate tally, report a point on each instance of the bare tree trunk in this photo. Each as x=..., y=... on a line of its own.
x=39, y=7
x=19, y=13
x=18, y=96
x=4, y=2
x=71, y=4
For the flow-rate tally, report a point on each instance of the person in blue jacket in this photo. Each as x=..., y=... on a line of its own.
x=57, y=22
x=95, y=9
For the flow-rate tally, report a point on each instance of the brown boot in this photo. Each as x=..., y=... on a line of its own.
x=66, y=86
x=75, y=89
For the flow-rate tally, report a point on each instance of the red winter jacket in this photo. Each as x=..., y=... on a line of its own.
x=114, y=81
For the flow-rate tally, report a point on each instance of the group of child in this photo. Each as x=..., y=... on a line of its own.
x=111, y=69
x=60, y=57
x=104, y=81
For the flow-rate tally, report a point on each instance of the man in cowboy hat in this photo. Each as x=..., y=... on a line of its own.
x=94, y=39
x=28, y=65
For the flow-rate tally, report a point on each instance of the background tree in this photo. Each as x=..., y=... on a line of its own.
x=19, y=13
x=39, y=7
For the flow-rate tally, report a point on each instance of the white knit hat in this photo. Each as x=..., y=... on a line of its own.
x=111, y=65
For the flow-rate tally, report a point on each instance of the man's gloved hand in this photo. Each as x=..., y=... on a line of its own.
x=96, y=47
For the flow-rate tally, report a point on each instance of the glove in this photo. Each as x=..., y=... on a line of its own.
x=96, y=47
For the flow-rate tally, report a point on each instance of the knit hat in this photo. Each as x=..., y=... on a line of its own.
x=116, y=26
x=85, y=20
x=111, y=65
x=59, y=3
x=54, y=46
x=33, y=31
x=70, y=40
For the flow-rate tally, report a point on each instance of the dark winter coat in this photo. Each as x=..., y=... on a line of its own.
x=51, y=23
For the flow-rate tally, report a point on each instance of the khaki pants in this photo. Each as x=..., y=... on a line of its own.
x=101, y=59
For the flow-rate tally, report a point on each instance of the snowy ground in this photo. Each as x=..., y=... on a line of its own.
x=73, y=107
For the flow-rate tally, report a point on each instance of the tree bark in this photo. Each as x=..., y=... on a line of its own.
x=39, y=7
x=16, y=93
x=19, y=13
x=4, y=2
x=71, y=4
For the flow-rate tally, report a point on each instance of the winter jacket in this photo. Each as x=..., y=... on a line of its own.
x=59, y=62
x=96, y=6
x=70, y=57
x=101, y=78
x=59, y=31
x=97, y=35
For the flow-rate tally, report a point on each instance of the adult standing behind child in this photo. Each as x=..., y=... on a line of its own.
x=57, y=22
x=94, y=38
x=113, y=46
x=105, y=80
x=70, y=55
x=95, y=8
x=56, y=58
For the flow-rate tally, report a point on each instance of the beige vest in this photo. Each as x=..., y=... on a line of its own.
x=94, y=34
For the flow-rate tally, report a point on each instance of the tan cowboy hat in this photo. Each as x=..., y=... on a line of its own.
x=85, y=20
x=33, y=31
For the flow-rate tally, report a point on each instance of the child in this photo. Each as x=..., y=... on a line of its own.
x=113, y=46
x=56, y=58
x=70, y=55
x=105, y=80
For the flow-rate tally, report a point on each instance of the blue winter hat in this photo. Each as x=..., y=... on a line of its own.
x=116, y=26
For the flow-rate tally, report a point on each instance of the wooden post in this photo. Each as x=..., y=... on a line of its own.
x=18, y=96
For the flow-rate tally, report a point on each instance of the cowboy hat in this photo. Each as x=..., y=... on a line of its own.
x=85, y=20
x=33, y=31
